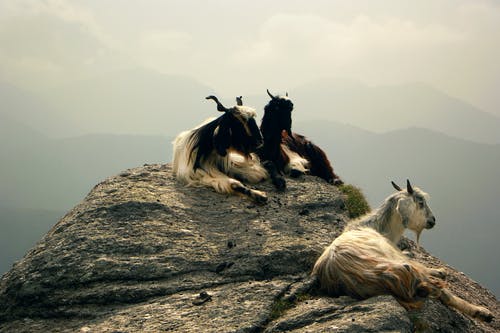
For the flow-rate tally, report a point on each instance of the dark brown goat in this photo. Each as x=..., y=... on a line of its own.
x=288, y=152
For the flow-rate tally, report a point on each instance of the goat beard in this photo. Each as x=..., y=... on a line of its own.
x=418, y=233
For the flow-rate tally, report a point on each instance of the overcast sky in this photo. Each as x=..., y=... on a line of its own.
x=245, y=46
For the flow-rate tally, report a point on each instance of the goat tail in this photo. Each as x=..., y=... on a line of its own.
x=183, y=151
x=318, y=161
x=325, y=271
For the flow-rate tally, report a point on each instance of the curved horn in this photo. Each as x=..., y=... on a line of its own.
x=408, y=187
x=270, y=94
x=220, y=107
x=396, y=186
x=239, y=100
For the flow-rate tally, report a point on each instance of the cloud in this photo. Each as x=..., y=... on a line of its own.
x=163, y=50
x=450, y=44
x=60, y=9
x=298, y=38
x=456, y=53
x=52, y=40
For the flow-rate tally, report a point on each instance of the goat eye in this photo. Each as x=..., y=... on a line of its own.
x=421, y=204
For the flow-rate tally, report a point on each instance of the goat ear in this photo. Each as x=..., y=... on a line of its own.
x=408, y=187
x=396, y=186
x=222, y=139
x=402, y=209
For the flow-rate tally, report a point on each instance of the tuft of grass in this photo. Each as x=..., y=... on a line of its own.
x=355, y=201
x=280, y=306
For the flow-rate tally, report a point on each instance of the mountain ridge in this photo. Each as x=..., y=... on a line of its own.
x=387, y=107
x=148, y=102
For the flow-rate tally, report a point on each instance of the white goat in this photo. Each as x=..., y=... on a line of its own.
x=364, y=260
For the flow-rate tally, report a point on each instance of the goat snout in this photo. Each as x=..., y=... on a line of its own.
x=431, y=222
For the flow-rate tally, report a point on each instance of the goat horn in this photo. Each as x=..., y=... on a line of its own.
x=220, y=107
x=396, y=186
x=239, y=100
x=286, y=94
x=270, y=94
x=408, y=187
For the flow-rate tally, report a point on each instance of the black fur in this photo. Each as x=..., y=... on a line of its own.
x=224, y=133
x=276, y=128
x=277, y=118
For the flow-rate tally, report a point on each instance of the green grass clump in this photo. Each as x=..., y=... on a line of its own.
x=280, y=306
x=355, y=201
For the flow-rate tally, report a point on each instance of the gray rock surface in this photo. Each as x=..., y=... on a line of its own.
x=142, y=253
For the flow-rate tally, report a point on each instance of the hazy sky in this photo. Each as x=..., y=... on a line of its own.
x=245, y=46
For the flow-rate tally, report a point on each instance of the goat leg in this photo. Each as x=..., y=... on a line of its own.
x=276, y=177
x=475, y=311
x=258, y=197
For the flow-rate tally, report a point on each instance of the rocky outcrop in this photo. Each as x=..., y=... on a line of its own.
x=144, y=254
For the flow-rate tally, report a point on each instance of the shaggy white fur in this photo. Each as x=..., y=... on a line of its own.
x=364, y=260
x=223, y=173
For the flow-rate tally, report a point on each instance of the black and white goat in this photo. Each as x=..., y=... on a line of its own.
x=287, y=152
x=220, y=153
x=364, y=260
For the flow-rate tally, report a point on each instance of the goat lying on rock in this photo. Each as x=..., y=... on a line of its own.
x=288, y=152
x=364, y=260
x=220, y=153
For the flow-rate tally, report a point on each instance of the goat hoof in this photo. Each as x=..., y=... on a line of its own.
x=294, y=173
x=422, y=292
x=280, y=184
x=440, y=273
x=259, y=198
x=484, y=315
x=408, y=253
x=337, y=182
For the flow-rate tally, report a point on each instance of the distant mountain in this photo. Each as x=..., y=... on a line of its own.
x=55, y=174
x=16, y=134
x=386, y=108
x=461, y=177
x=30, y=113
x=21, y=229
x=133, y=102
x=142, y=101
